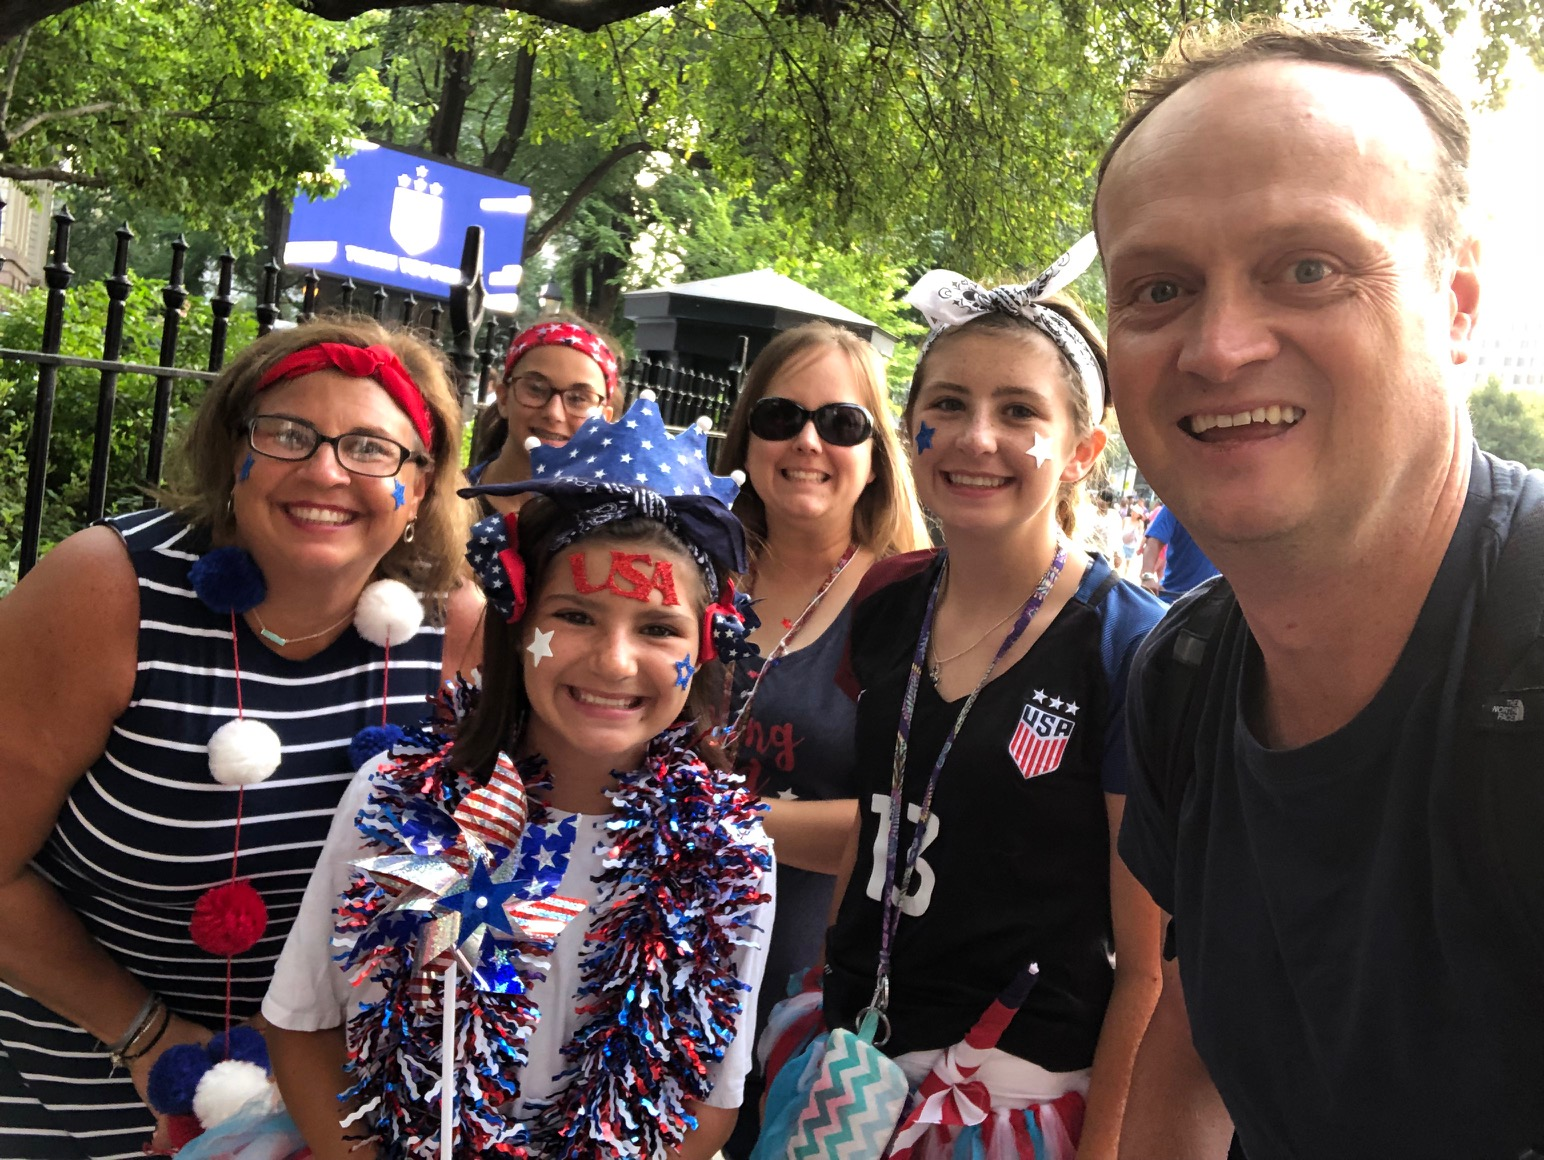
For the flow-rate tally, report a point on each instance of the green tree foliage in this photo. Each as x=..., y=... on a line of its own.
x=1505, y=425
x=69, y=461
x=196, y=106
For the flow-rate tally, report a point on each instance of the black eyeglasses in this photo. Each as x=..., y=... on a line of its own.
x=280, y=437
x=839, y=424
x=536, y=392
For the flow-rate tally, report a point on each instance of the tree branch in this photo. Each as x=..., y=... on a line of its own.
x=31, y=123
x=10, y=78
x=537, y=238
x=16, y=16
x=46, y=173
x=585, y=15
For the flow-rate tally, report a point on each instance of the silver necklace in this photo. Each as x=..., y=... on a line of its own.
x=939, y=662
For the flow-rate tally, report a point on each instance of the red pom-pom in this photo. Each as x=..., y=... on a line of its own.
x=229, y=919
x=182, y=1130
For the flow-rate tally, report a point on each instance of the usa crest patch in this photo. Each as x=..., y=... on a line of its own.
x=1040, y=738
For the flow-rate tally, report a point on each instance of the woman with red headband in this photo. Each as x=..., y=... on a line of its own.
x=556, y=374
x=187, y=692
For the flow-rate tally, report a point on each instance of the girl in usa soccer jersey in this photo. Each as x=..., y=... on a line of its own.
x=992, y=760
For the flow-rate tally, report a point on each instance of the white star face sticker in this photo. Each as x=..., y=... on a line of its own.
x=1041, y=449
x=540, y=646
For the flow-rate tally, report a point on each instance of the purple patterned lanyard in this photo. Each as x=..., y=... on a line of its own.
x=894, y=895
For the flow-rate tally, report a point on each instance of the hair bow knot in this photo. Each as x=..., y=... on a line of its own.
x=493, y=552
x=947, y=300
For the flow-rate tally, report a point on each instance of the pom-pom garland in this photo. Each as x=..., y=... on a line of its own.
x=182, y=1131
x=373, y=739
x=229, y=919
x=174, y=1078
x=228, y=580
x=228, y=1087
x=244, y=752
x=244, y=1043
x=388, y=613
x=663, y=954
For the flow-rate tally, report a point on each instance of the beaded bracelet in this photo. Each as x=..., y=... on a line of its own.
x=124, y=1056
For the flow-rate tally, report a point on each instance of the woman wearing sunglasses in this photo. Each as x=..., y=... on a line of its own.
x=324, y=459
x=556, y=374
x=827, y=494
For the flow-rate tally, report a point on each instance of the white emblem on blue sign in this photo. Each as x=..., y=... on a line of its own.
x=417, y=212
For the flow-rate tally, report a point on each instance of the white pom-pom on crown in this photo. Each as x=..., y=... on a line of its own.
x=738, y=476
x=648, y=393
x=532, y=443
x=388, y=612
x=244, y=752
x=704, y=424
x=229, y=1086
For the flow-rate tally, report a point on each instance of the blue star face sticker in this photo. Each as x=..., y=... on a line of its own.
x=246, y=468
x=482, y=902
x=925, y=438
x=398, y=492
x=683, y=671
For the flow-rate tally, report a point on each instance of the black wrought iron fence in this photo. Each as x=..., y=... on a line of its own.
x=473, y=347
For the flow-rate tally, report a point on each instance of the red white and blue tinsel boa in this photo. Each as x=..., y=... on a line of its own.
x=683, y=872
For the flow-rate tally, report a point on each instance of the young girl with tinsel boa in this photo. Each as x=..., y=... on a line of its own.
x=573, y=871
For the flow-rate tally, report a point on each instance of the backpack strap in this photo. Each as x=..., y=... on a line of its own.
x=1193, y=657
x=1504, y=705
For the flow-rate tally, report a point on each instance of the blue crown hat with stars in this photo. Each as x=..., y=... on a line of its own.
x=633, y=466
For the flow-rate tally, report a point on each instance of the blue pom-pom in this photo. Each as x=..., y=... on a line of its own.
x=245, y=1043
x=174, y=1078
x=371, y=740
x=228, y=580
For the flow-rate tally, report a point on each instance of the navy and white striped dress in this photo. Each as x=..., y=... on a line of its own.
x=147, y=830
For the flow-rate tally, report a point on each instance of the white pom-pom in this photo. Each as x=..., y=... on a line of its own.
x=389, y=611
x=226, y=1088
x=532, y=443
x=647, y=393
x=738, y=476
x=243, y=752
x=704, y=424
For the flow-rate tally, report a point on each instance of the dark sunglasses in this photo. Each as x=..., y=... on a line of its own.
x=839, y=424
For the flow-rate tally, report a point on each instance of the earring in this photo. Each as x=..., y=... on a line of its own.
x=230, y=507
x=407, y=532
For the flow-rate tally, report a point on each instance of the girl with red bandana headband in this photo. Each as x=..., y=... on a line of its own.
x=556, y=374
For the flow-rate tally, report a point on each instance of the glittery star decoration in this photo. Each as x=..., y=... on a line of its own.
x=683, y=671
x=925, y=438
x=448, y=903
x=540, y=646
x=246, y=468
x=1041, y=449
x=398, y=493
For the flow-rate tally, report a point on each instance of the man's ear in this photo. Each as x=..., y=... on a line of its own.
x=1464, y=298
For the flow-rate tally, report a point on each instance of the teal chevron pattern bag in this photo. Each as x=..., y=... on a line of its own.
x=856, y=1101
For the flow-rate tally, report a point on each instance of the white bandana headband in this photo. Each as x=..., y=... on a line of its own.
x=947, y=299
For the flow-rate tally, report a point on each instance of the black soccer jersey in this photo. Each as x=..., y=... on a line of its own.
x=1014, y=866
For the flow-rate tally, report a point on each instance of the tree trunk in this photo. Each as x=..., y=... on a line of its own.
x=455, y=87
x=519, y=114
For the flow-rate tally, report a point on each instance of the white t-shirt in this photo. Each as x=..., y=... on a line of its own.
x=310, y=992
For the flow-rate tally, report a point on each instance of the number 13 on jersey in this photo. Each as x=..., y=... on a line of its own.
x=921, y=894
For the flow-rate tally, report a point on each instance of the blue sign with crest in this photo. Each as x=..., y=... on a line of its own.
x=400, y=221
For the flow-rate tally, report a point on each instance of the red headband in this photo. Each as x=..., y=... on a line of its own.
x=361, y=362
x=565, y=334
